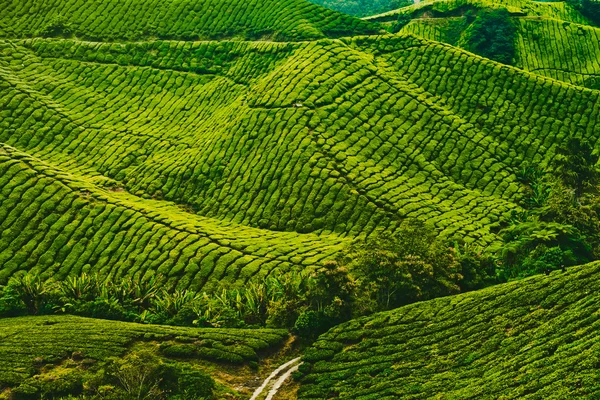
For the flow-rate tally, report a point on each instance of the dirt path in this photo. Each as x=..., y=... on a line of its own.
x=284, y=372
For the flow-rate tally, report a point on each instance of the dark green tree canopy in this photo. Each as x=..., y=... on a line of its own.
x=492, y=35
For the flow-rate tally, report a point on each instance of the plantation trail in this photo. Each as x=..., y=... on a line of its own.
x=283, y=372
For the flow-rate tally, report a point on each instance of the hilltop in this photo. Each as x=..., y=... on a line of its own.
x=529, y=8
x=535, y=338
x=363, y=8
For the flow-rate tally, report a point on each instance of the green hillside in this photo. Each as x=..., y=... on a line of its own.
x=530, y=8
x=552, y=38
x=51, y=353
x=55, y=225
x=175, y=19
x=237, y=148
x=532, y=339
x=363, y=8
x=553, y=48
x=333, y=137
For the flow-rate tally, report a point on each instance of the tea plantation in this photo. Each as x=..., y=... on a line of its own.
x=553, y=39
x=30, y=345
x=532, y=339
x=54, y=225
x=100, y=20
x=216, y=143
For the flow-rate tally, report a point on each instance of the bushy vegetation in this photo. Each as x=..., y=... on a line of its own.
x=278, y=301
x=534, y=338
x=61, y=356
x=560, y=225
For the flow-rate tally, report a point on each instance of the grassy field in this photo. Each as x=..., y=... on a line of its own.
x=38, y=349
x=530, y=339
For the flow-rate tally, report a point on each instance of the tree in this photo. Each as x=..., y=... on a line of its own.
x=393, y=270
x=492, y=35
x=575, y=164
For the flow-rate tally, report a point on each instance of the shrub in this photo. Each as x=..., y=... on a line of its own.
x=311, y=324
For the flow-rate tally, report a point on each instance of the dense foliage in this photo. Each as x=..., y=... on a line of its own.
x=411, y=265
x=534, y=338
x=560, y=225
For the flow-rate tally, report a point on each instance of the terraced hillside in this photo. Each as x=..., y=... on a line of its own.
x=530, y=8
x=531, y=339
x=552, y=38
x=332, y=137
x=33, y=349
x=54, y=225
x=363, y=8
x=175, y=19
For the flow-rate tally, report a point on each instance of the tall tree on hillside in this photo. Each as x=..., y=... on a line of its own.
x=575, y=164
x=492, y=35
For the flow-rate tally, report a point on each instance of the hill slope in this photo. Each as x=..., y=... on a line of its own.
x=530, y=8
x=54, y=225
x=176, y=19
x=34, y=350
x=531, y=339
x=552, y=38
x=332, y=137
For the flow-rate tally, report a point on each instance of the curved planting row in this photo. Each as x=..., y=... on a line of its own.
x=524, y=115
x=531, y=339
x=29, y=343
x=174, y=19
x=54, y=225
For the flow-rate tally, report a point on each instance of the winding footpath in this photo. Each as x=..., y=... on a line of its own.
x=283, y=372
